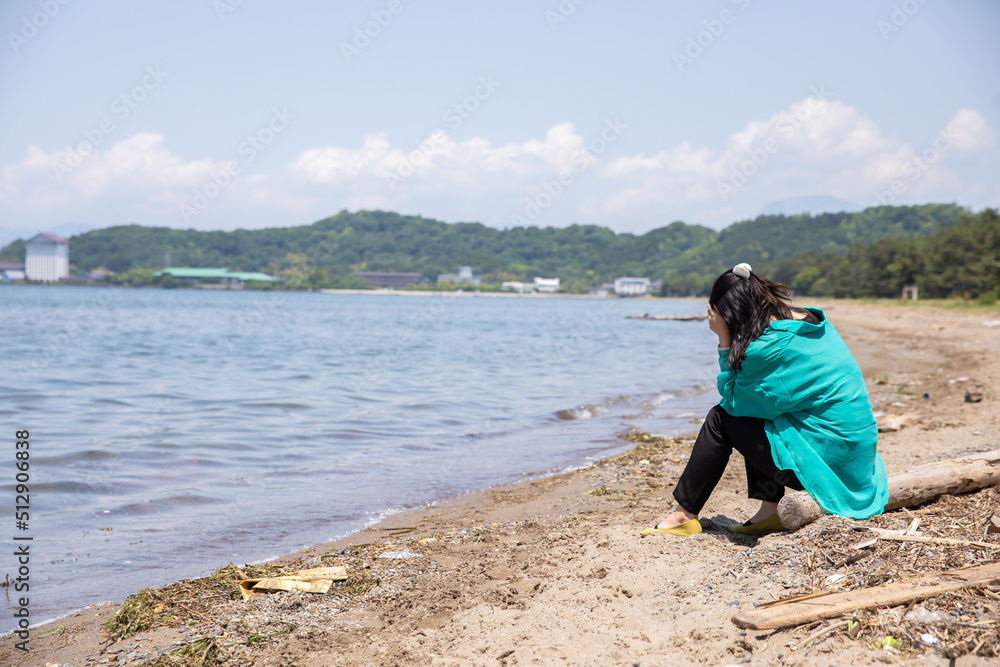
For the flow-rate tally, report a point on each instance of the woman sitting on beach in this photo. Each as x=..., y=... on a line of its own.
x=794, y=404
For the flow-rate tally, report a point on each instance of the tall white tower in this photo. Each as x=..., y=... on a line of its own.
x=46, y=258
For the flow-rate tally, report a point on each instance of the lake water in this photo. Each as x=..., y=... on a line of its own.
x=173, y=432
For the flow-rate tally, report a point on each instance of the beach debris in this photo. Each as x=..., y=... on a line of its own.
x=922, y=615
x=888, y=643
x=313, y=580
x=910, y=530
x=891, y=423
x=973, y=396
x=673, y=318
x=913, y=487
x=822, y=632
x=960, y=379
x=991, y=323
x=899, y=536
x=798, y=611
x=929, y=639
x=993, y=524
x=403, y=553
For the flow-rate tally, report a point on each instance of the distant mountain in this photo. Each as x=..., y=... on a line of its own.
x=811, y=205
x=583, y=256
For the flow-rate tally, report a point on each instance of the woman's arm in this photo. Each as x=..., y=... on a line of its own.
x=758, y=390
x=740, y=399
x=719, y=327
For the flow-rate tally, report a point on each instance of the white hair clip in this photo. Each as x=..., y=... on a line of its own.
x=742, y=270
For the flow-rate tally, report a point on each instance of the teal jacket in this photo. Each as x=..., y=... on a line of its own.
x=803, y=381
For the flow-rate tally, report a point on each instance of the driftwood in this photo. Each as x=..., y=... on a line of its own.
x=884, y=534
x=675, y=318
x=810, y=608
x=915, y=486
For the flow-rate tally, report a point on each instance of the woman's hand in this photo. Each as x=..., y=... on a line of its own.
x=719, y=326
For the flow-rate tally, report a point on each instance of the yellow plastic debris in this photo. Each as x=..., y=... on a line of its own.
x=888, y=643
x=314, y=580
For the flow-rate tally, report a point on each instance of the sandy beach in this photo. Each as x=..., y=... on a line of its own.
x=553, y=571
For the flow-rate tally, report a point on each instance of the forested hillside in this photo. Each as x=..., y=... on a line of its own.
x=686, y=257
x=956, y=260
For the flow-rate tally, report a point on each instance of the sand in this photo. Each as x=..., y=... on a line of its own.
x=552, y=570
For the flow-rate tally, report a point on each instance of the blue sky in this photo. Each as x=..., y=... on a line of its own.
x=218, y=114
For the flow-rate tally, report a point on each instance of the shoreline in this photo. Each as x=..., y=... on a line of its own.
x=374, y=292
x=946, y=304
x=574, y=513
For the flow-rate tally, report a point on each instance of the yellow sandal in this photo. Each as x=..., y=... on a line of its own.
x=686, y=529
x=772, y=524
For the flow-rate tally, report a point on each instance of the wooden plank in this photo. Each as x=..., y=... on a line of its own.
x=889, y=595
x=794, y=598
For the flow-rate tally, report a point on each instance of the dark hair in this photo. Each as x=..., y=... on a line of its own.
x=747, y=306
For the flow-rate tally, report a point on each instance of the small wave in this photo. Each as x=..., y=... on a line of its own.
x=283, y=406
x=487, y=434
x=583, y=412
x=656, y=401
x=154, y=506
x=64, y=489
x=110, y=401
x=84, y=456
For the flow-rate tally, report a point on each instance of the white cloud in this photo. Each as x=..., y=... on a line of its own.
x=439, y=158
x=815, y=146
x=335, y=165
x=971, y=129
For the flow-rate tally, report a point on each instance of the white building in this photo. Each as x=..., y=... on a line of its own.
x=546, y=284
x=631, y=286
x=464, y=275
x=11, y=271
x=46, y=258
x=514, y=285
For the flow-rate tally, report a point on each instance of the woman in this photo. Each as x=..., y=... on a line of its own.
x=794, y=404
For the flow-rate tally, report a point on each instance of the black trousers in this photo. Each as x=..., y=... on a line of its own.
x=719, y=436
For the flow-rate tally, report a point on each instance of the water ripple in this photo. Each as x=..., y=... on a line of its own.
x=331, y=411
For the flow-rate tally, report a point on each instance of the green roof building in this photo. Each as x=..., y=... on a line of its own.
x=244, y=276
x=223, y=276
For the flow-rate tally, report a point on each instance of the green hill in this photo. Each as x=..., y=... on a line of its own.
x=583, y=256
x=958, y=260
